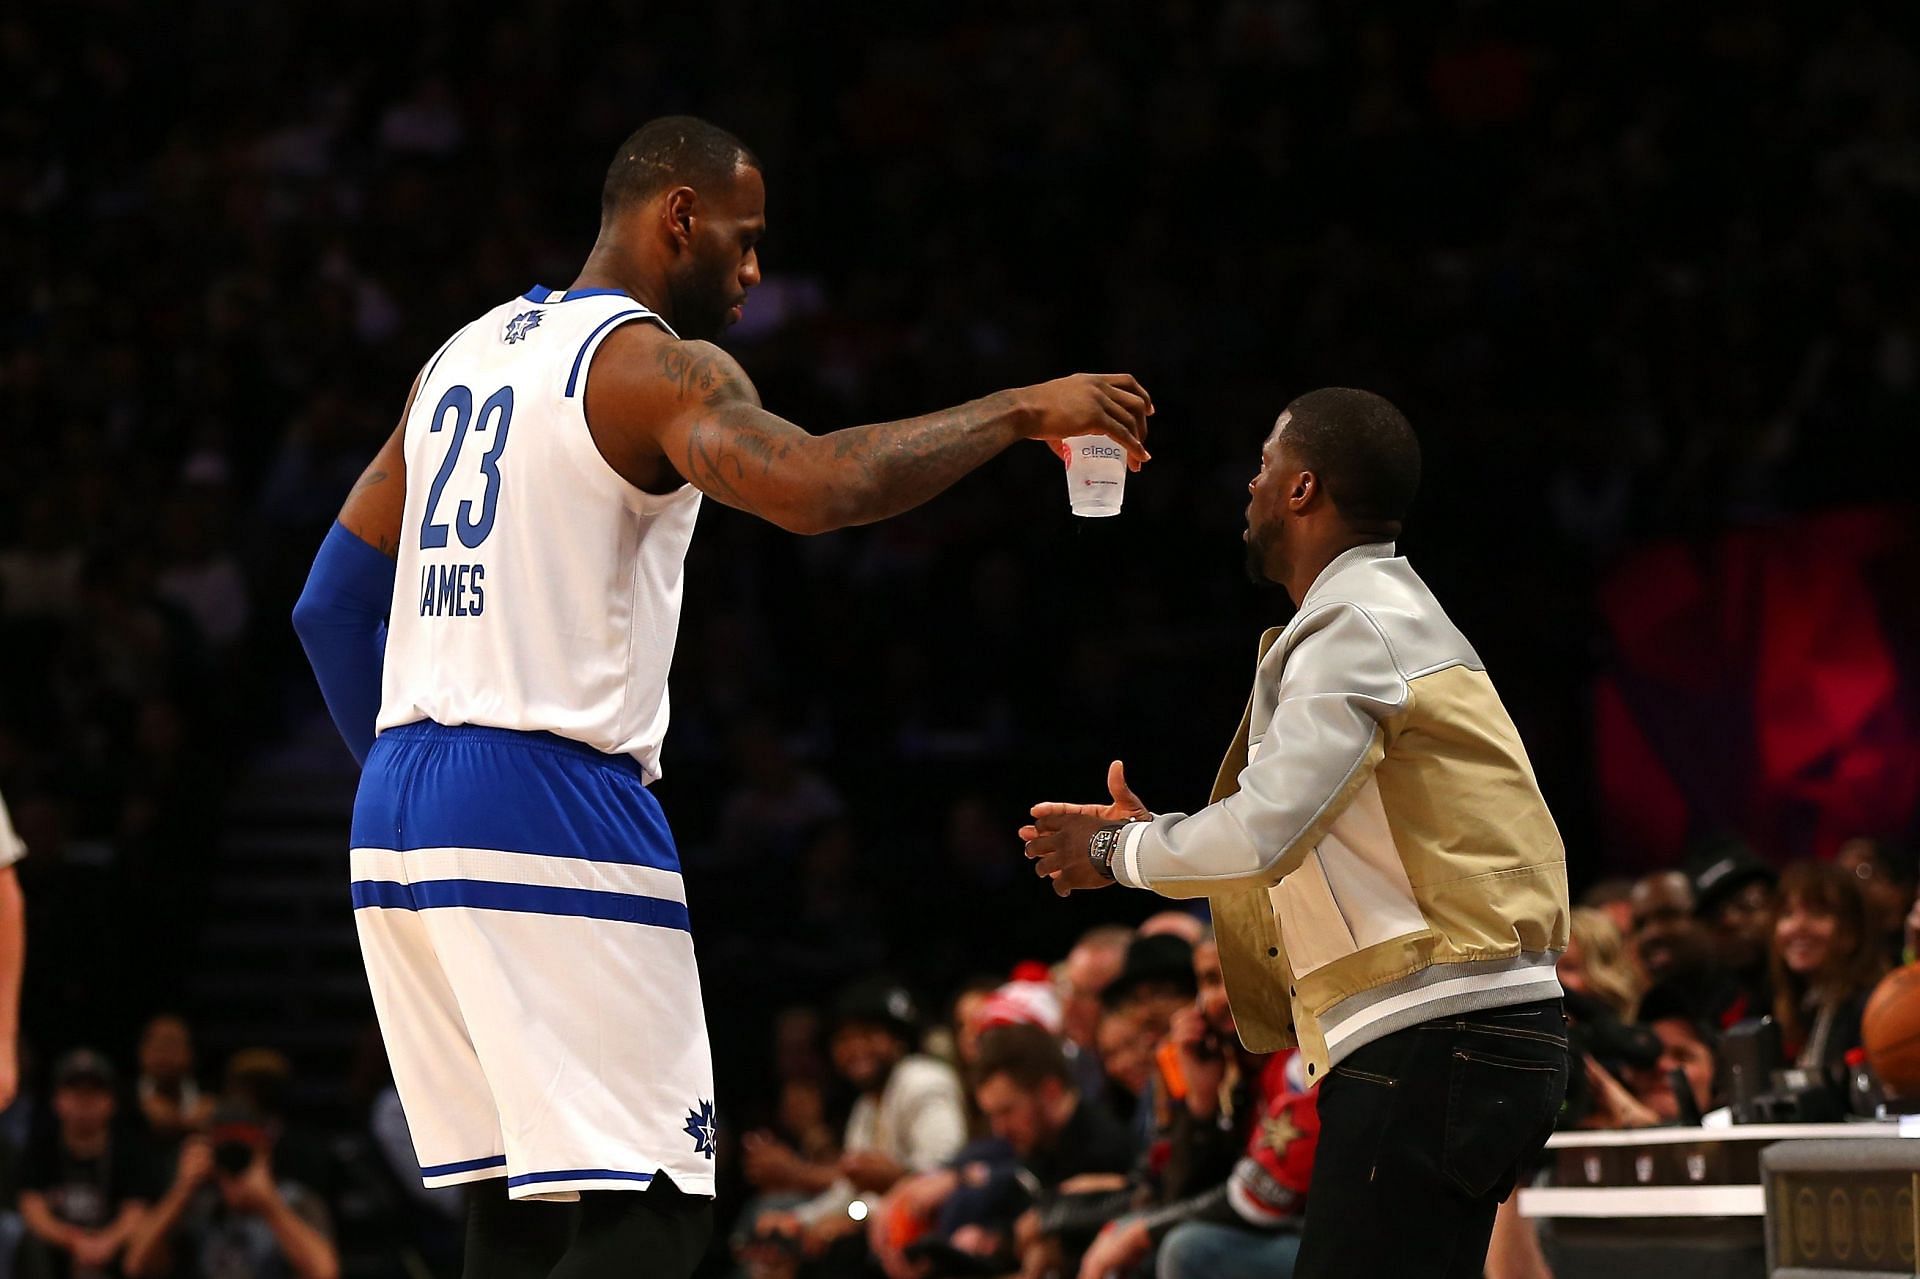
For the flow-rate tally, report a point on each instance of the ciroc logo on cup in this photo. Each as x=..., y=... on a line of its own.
x=1101, y=450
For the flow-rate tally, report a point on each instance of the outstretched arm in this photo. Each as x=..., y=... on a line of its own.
x=662, y=410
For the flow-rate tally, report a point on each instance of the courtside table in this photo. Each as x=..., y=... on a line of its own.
x=1692, y=1203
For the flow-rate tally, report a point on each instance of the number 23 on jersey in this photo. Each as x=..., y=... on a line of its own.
x=457, y=590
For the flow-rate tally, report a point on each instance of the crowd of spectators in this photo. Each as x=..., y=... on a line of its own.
x=1689, y=956
x=1084, y=1117
x=1097, y=1116
x=1631, y=272
x=163, y=1179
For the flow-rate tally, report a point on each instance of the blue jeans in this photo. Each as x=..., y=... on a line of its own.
x=1203, y=1250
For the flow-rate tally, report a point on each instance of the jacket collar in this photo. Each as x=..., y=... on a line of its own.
x=1344, y=561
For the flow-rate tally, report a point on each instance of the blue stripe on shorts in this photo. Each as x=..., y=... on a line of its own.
x=578, y=1174
x=527, y=899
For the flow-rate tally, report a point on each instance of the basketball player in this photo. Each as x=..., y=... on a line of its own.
x=516, y=888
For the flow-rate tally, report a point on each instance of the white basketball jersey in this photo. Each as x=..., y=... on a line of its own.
x=536, y=589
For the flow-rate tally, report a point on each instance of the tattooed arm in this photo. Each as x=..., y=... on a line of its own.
x=663, y=412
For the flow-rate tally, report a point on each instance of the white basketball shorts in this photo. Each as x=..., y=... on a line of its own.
x=525, y=930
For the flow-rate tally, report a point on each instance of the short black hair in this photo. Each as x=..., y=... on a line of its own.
x=675, y=150
x=1027, y=1055
x=1361, y=448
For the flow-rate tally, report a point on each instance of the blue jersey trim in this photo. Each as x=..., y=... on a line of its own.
x=573, y=378
x=524, y=899
x=427, y=785
x=579, y=1174
x=544, y=296
x=467, y=1165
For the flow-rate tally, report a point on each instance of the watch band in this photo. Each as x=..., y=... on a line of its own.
x=1103, y=845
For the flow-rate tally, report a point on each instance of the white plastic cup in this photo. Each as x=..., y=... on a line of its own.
x=1096, y=475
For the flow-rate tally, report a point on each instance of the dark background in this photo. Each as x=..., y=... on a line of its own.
x=1642, y=276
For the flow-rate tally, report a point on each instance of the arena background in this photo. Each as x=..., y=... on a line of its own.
x=1642, y=276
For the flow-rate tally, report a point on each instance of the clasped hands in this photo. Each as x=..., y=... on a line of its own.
x=1059, y=839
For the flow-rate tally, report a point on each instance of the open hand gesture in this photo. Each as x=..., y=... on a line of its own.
x=1058, y=839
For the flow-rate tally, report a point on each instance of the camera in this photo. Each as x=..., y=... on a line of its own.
x=233, y=1158
x=1593, y=1030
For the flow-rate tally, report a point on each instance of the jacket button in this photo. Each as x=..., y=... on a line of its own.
x=1309, y=1068
x=1273, y=952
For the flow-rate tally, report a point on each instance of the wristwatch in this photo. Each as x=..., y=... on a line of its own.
x=1103, y=845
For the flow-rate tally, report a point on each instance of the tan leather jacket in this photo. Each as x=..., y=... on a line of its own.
x=1377, y=852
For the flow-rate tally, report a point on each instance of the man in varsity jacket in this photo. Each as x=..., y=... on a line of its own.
x=1388, y=888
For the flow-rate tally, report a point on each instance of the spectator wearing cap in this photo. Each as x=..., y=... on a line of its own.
x=81, y=1195
x=230, y=1213
x=1028, y=999
x=910, y=1117
x=1733, y=894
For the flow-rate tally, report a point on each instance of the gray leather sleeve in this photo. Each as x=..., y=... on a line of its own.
x=1338, y=687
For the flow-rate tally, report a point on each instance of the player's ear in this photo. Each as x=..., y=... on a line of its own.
x=676, y=214
x=1305, y=485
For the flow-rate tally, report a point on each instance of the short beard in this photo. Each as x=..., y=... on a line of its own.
x=1257, y=562
x=697, y=323
x=700, y=309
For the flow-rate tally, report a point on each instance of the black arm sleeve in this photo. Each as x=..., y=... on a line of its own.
x=1069, y=1217
x=1211, y=1206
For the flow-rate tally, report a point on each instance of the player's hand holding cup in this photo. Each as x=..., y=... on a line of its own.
x=1089, y=414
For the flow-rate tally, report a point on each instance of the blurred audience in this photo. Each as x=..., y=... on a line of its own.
x=980, y=1211
x=230, y=1211
x=909, y=1118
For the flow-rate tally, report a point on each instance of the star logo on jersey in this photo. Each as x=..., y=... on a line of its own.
x=700, y=1127
x=1280, y=1132
x=521, y=324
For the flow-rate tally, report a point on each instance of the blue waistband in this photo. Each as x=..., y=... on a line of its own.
x=426, y=730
